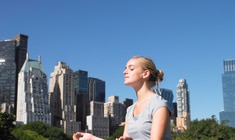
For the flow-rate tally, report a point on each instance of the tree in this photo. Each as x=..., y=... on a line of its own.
x=6, y=125
x=39, y=129
x=21, y=134
x=117, y=134
x=207, y=129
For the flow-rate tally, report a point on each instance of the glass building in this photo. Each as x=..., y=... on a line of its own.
x=12, y=57
x=81, y=82
x=96, y=90
x=81, y=93
x=228, y=85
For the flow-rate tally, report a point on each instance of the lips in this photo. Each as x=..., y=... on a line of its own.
x=126, y=77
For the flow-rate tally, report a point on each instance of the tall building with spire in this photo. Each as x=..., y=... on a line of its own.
x=32, y=103
x=63, y=99
x=228, y=84
x=183, y=105
x=12, y=57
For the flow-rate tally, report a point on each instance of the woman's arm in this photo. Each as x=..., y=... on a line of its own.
x=125, y=130
x=85, y=136
x=159, y=123
x=125, y=134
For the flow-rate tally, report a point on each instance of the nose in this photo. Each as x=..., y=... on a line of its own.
x=125, y=71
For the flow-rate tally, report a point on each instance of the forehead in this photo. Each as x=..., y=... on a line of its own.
x=133, y=62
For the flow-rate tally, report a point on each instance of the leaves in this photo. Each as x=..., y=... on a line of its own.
x=6, y=125
x=27, y=135
x=42, y=130
x=207, y=129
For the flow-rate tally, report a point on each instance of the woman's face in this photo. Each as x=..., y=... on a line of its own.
x=133, y=73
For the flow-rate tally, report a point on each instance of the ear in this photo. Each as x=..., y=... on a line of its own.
x=146, y=74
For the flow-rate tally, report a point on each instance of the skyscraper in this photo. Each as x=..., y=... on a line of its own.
x=32, y=97
x=81, y=93
x=183, y=106
x=97, y=123
x=228, y=84
x=116, y=112
x=62, y=99
x=12, y=57
x=96, y=90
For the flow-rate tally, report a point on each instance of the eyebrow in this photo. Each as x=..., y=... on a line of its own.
x=131, y=65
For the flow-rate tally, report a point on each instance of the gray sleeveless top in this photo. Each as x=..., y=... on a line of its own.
x=139, y=127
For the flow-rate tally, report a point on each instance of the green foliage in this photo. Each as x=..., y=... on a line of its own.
x=117, y=134
x=21, y=134
x=6, y=125
x=207, y=129
x=41, y=130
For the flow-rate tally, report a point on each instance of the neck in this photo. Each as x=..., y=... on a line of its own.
x=143, y=93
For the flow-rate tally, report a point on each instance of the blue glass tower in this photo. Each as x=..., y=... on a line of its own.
x=96, y=90
x=81, y=92
x=228, y=83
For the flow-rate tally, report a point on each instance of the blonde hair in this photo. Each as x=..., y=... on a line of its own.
x=156, y=75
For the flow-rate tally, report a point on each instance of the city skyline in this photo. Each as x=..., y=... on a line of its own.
x=187, y=40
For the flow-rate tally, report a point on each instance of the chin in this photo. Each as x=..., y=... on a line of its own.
x=127, y=83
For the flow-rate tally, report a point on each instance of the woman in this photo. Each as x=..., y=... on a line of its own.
x=148, y=118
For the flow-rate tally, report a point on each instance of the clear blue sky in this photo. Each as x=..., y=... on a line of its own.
x=186, y=38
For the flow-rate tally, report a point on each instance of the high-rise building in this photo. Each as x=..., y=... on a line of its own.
x=96, y=90
x=116, y=112
x=127, y=102
x=97, y=123
x=81, y=93
x=32, y=103
x=12, y=57
x=166, y=94
x=228, y=83
x=183, y=106
x=63, y=99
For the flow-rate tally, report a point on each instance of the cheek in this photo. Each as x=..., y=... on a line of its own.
x=131, y=80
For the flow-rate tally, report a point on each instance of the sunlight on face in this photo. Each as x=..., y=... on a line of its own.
x=133, y=72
